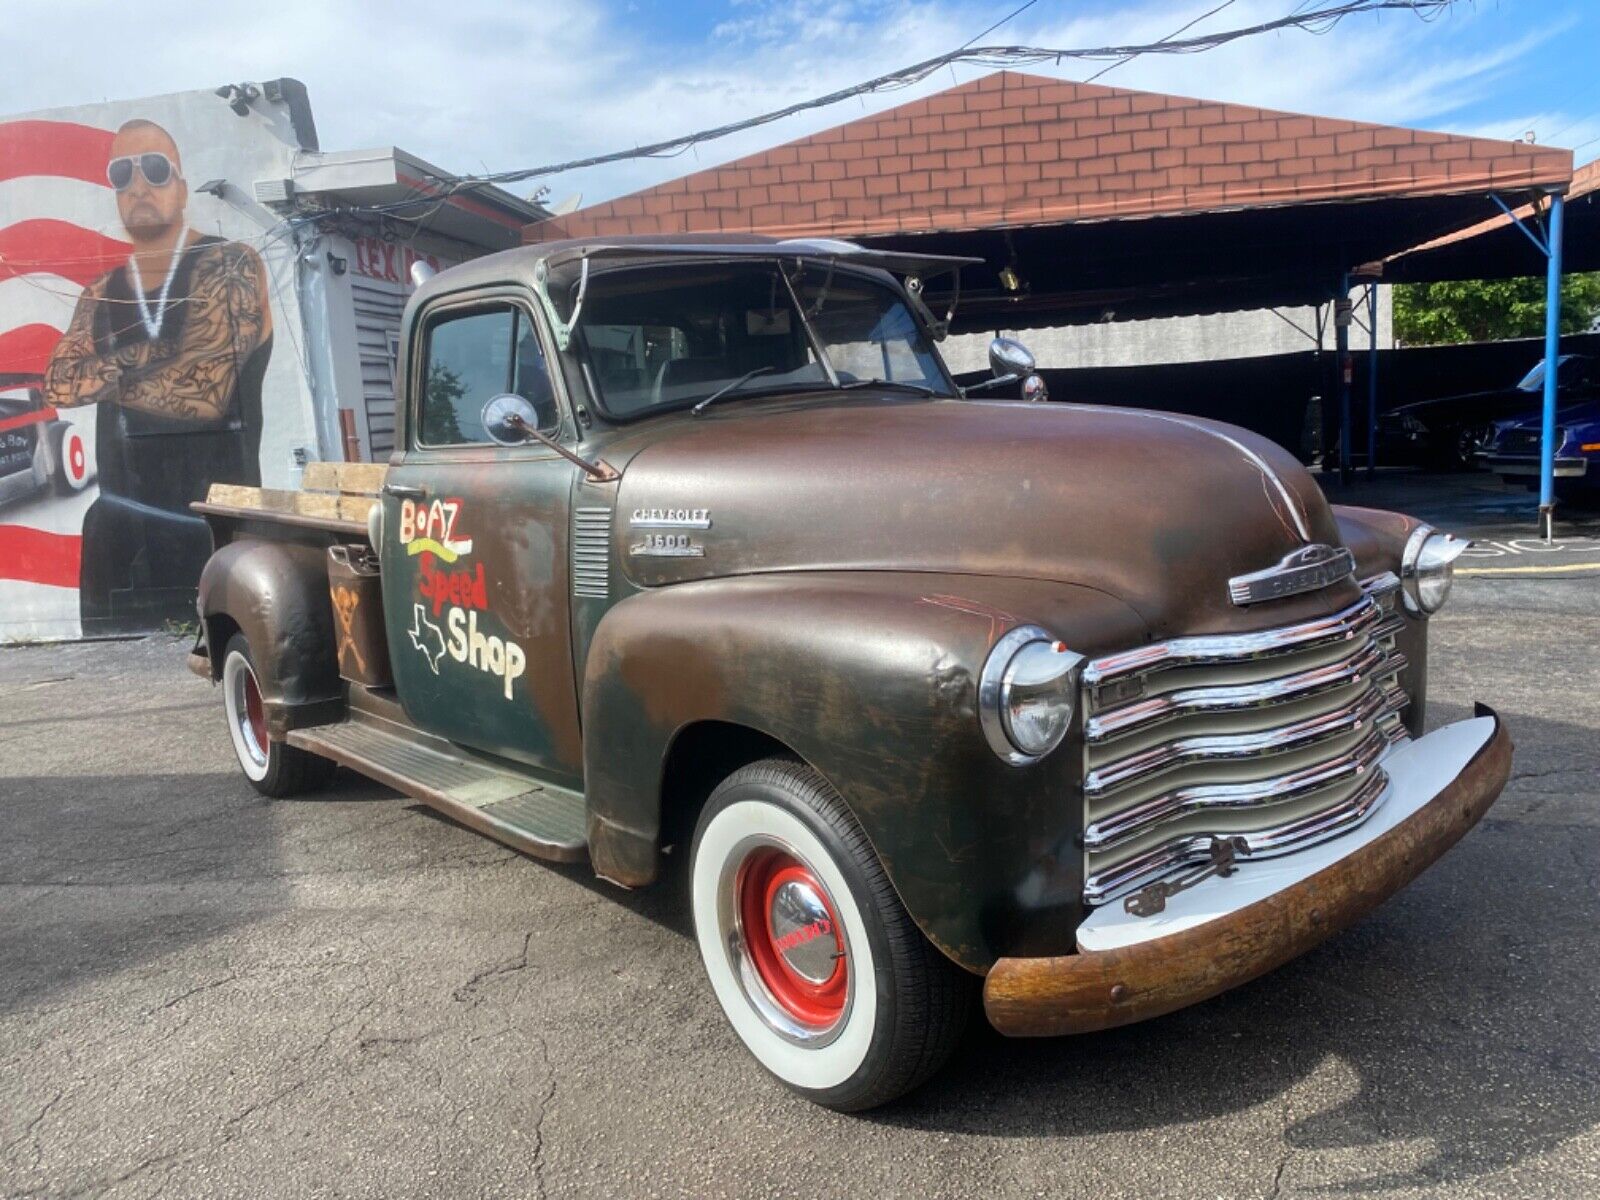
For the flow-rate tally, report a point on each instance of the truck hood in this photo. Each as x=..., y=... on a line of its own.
x=1156, y=509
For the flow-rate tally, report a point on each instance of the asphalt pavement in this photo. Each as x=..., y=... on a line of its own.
x=205, y=993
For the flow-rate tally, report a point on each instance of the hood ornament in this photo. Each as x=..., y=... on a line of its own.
x=1303, y=570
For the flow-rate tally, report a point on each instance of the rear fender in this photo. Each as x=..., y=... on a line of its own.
x=276, y=593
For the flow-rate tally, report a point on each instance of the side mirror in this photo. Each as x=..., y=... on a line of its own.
x=1010, y=359
x=509, y=419
x=1011, y=362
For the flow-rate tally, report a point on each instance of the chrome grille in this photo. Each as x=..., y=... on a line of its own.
x=591, y=552
x=1275, y=737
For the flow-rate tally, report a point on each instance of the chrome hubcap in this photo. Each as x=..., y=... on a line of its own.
x=802, y=931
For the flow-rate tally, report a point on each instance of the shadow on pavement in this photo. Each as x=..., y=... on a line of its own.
x=102, y=873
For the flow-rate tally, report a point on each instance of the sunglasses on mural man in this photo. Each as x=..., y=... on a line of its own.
x=156, y=168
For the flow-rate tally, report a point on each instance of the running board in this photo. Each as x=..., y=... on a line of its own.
x=537, y=818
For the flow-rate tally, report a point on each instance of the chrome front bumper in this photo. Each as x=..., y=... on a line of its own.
x=1527, y=464
x=1225, y=931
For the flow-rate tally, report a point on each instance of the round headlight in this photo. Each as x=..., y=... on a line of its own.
x=1026, y=694
x=1427, y=568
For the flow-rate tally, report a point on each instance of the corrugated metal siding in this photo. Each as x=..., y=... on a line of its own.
x=378, y=307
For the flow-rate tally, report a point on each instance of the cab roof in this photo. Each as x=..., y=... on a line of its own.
x=522, y=264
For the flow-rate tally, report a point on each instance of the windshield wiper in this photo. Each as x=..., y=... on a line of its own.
x=850, y=385
x=728, y=387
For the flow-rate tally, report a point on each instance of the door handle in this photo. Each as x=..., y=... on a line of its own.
x=404, y=491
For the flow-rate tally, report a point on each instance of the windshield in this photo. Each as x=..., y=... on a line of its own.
x=663, y=338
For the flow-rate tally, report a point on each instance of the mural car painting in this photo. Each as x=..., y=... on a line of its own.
x=695, y=548
x=38, y=450
x=137, y=315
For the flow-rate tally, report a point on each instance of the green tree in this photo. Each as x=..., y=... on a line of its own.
x=1486, y=310
x=440, y=425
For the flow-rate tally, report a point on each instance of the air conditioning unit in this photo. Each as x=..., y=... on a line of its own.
x=274, y=191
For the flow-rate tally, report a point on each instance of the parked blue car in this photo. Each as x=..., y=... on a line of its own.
x=1513, y=449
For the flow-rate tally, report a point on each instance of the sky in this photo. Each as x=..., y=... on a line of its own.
x=476, y=85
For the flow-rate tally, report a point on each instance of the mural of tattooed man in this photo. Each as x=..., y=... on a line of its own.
x=171, y=345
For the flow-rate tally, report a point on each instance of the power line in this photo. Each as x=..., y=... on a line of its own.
x=1181, y=29
x=990, y=56
x=1550, y=137
x=1016, y=12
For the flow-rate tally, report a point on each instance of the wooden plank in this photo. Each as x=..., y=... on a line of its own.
x=350, y=478
x=323, y=505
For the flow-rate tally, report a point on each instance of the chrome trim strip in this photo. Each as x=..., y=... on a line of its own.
x=1267, y=843
x=1102, y=781
x=1251, y=457
x=1343, y=625
x=1370, y=659
x=1380, y=586
x=1119, y=827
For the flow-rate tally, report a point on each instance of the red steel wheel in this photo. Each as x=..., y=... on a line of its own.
x=810, y=954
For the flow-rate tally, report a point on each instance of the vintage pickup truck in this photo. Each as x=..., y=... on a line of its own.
x=699, y=546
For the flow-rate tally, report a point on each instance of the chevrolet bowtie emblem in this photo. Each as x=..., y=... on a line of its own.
x=1303, y=570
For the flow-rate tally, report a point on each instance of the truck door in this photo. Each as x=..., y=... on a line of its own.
x=475, y=557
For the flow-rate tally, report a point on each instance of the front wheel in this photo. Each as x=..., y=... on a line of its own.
x=273, y=768
x=816, y=963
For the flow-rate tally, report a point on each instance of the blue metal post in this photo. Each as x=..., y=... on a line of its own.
x=1552, y=354
x=1341, y=341
x=1372, y=378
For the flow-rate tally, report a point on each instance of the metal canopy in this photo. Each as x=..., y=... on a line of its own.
x=1494, y=247
x=1186, y=264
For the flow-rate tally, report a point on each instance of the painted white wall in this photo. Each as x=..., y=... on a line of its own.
x=1176, y=339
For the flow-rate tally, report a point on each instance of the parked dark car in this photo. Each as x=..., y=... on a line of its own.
x=1513, y=449
x=1450, y=432
x=37, y=448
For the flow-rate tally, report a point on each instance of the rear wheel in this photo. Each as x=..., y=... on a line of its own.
x=274, y=769
x=816, y=963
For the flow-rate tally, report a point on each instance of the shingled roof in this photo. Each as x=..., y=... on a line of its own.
x=1011, y=150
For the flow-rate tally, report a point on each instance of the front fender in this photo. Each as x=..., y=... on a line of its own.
x=871, y=679
x=1377, y=537
x=277, y=594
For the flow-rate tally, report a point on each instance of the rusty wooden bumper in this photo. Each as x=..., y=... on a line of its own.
x=1081, y=993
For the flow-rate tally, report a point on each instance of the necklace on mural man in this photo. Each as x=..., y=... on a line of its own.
x=152, y=324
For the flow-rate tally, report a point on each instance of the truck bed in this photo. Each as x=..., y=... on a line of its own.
x=334, y=498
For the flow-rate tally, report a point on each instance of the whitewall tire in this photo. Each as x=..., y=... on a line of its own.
x=273, y=768
x=815, y=962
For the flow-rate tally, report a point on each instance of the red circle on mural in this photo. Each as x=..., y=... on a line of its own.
x=77, y=457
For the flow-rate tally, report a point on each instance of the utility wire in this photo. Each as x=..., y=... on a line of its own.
x=1318, y=20
x=1016, y=12
x=1176, y=32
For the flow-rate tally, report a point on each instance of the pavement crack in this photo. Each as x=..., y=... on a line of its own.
x=30, y=1129
x=231, y=977
x=544, y=1110
x=467, y=992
